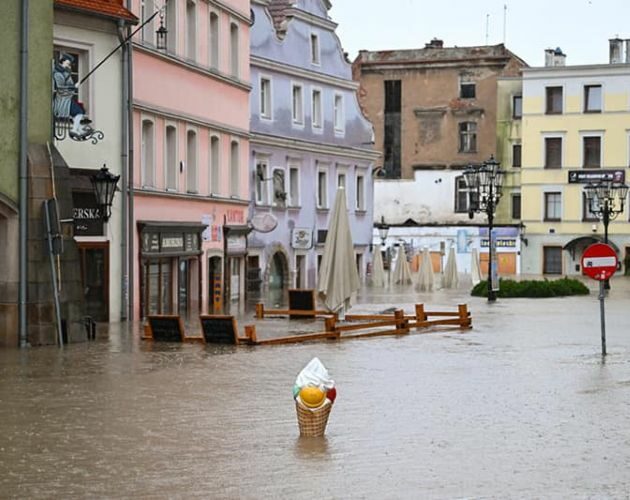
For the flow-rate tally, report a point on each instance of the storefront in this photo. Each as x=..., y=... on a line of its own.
x=170, y=268
x=235, y=239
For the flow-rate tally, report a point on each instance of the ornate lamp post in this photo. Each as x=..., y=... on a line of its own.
x=485, y=187
x=606, y=200
x=104, y=185
x=161, y=33
x=383, y=230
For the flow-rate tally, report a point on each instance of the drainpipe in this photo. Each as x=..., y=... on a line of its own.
x=130, y=180
x=124, y=162
x=23, y=178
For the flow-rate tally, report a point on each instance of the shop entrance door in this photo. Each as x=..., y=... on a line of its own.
x=94, y=258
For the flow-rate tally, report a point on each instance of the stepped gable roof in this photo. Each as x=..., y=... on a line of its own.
x=112, y=9
x=433, y=53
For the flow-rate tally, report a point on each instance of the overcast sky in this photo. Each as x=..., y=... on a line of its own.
x=581, y=28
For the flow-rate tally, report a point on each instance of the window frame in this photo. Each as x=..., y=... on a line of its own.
x=214, y=48
x=235, y=167
x=516, y=210
x=143, y=163
x=235, y=50
x=265, y=99
x=466, y=137
x=173, y=125
x=548, y=216
x=586, y=210
x=517, y=115
x=315, y=49
x=276, y=201
x=261, y=196
x=520, y=155
x=214, y=168
x=587, y=88
x=191, y=51
x=317, y=127
x=549, y=100
x=322, y=189
x=468, y=85
x=546, y=155
x=339, y=113
x=586, y=136
x=545, y=269
x=294, y=197
x=359, y=195
x=464, y=190
x=297, y=110
x=192, y=131
x=83, y=54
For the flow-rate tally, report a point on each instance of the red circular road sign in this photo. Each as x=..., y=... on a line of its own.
x=599, y=261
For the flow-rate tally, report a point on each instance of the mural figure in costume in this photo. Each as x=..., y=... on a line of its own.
x=66, y=105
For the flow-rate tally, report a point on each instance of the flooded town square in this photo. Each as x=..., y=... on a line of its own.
x=521, y=406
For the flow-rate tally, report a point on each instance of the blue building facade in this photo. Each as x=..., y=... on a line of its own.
x=308, y=137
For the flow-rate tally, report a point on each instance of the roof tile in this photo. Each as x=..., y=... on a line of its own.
x=108, y=8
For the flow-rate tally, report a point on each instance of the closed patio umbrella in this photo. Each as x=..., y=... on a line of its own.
x=426, y=279
x=338, y=278
x=451, y=279
x=475, y=269
x=402, y=273
x=378, y=272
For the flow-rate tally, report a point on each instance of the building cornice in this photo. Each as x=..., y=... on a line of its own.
x=377, y=66
x=312, y=19
x=230, y=10
x=206, y=71
x=576, y=71
x=196, y=120
x=268, y=64
x=313, y=147
x=190, y=197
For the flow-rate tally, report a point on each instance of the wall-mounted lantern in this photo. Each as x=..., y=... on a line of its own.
x=104, y=185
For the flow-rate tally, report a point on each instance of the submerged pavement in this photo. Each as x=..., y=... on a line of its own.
x=522, y=405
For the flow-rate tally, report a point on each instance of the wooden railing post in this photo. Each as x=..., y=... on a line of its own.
x=401, y=322
x=331, y=323
x=464, y=317
x=250, y=333
x=260, y=310
x=421, y=316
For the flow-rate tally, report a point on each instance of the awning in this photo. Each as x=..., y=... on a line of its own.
x=584, y=241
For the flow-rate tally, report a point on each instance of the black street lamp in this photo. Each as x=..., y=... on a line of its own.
x=606, y=200
x=161, y=34
x=383, y=230
x=104, y=185
x=485, y=187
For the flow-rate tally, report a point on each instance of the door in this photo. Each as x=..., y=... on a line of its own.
x=95, y=279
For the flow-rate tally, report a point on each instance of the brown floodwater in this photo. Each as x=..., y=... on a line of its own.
x=520, y=406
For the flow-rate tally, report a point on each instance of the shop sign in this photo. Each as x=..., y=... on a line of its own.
x=151, y=242
x=86, y=215
x=191, y=241
x=586, y=176
x=172, y=242
x=301, y=238
x=236, y=244
x=501, y=242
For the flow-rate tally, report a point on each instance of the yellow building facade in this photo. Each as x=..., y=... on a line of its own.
x=575, y=129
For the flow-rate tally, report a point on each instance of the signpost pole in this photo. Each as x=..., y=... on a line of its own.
x=602, y=294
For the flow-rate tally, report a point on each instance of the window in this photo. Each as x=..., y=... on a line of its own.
x=516, y=155
x=317, y=108
x=553, y=206
x=234, y=49
x=294, y=187
x=341, y=181
x=467, y=137
x=314, y=48
x=587, y=215
x=214, y=165
x=262, y=177
x=265, y=98
x=461, y=195
x=234, y=169
x=213, y=49
x=517, y=107
x=191, y=29
x=592, y=98
x=322, y=189
x=592, y=152
x=554, y=100
x=279, y=188
x=77, y=71
x=552, y=260
x=147, y=154
x=171, y=25
x=146, y=11
x=553, y=152
x=360, y=193
x=338, y=113
x=516, y=206
x=171, y=166
x=467, y=90
x=191, y=161
x=297, y=106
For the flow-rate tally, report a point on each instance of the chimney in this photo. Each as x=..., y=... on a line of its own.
x=434, y=44
x=555, y=57
x=616, y=50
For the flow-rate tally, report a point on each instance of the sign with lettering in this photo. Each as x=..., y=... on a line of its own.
x=597, y=175
x=301, y=238
x=172, y=242
x=501, y=242
x=86, y=214
x=236, y=244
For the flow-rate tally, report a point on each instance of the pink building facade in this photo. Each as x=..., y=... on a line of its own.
x=191, y=141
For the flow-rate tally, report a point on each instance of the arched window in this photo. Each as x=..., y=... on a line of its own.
x=191, y=161
x=170, y=158
x=214, y=165
x=234, y=49
x=191, y=29
x=213, y=49
x=148, y=31
x=147, y=157
x=234, y=169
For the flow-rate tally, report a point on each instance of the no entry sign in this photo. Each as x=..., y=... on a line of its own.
x=599, y=261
